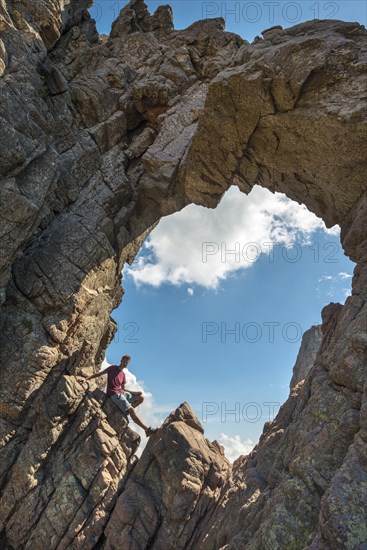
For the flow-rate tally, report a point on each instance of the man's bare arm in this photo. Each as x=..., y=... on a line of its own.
x=96, y=375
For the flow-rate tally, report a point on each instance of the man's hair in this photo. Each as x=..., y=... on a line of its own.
x=126, y=357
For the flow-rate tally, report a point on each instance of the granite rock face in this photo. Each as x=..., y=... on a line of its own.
x=310, y=344
x=102, y=136
x=173, y=487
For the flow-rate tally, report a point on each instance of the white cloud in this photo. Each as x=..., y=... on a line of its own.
x=234, y=446
x=325, y=278
x=343, y=275
x=334, y=291
x=176, y=249
x=190, y=291
x=347, y=292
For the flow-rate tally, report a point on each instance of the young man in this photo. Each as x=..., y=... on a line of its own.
x=125, y=399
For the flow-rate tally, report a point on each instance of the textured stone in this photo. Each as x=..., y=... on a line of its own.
x=310, y=344
x=102, y=136
x=172, y=488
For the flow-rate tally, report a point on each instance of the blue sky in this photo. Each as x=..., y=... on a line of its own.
x=224, y=334
x=186, y=292
x=246, y=18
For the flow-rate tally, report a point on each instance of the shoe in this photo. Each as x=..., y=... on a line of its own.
x=151, y=431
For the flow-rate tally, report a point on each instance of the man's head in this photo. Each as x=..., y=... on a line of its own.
x=125, y=360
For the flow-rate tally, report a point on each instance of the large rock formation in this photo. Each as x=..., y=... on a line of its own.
x=310, y=345
x=99, y=139
x=173, y=488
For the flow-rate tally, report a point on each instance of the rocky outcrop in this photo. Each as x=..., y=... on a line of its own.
x=310, y=344
x=65, y=470
x=173, y=487
x=100, y=138
x=293, y=486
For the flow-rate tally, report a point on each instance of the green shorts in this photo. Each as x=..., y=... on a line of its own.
x=125, y=400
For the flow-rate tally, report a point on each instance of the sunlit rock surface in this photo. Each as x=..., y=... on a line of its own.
x=310, y=344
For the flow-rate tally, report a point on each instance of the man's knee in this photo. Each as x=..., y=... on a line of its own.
x=138, y=401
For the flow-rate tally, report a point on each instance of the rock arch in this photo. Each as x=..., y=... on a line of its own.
x=103, y=136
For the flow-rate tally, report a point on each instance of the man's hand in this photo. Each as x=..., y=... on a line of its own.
x=83, y=381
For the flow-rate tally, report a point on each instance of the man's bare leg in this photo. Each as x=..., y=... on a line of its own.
x=138, y=402
x=136, y=419
x=148, y=430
